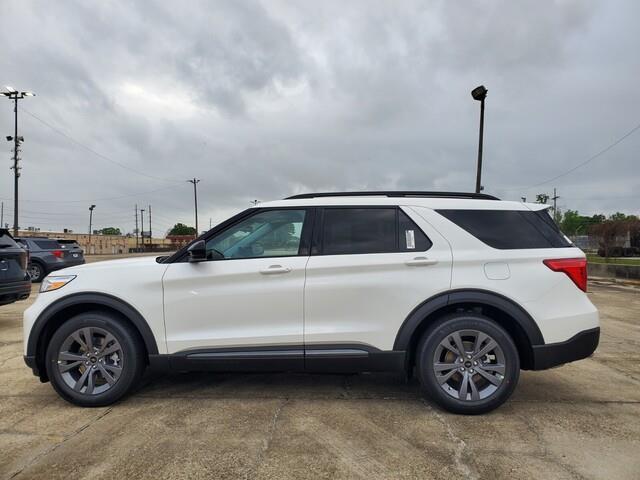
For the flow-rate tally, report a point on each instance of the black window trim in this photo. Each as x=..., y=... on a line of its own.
x=318, y=230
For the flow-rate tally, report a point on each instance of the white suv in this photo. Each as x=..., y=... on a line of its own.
x=462, y=289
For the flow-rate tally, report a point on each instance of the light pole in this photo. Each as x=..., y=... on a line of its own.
x=90, y=224
x=480, y=93
x=195, y=182
x=13, y=94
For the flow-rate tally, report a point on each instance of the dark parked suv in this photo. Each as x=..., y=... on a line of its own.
x=14, y=281
x=47, y=255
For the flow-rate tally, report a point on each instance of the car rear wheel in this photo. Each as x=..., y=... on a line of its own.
x=94, y=359
x=467, y=363
x=36, y=272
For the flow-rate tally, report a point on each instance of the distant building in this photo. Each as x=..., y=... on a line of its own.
x=99, y=244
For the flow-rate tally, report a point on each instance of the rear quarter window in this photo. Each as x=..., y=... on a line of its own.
x=510, y=229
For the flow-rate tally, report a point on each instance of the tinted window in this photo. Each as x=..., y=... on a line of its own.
x=273, y=233
x=359, y=230
x=410, y=237
x=47, y=244
x=509, y=229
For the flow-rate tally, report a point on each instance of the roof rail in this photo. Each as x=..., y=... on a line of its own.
x=407, y=193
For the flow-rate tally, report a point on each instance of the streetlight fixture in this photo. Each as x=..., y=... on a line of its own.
x=480, y=93
x=13, y=94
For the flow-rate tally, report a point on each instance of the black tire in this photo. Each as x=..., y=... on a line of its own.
x=131, y=355
x=430, y=350
x=36, y=272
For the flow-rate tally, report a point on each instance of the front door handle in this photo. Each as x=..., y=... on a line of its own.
x=273, y=269
x=421, y=261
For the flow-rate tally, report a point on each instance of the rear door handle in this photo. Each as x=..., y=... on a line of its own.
x=273, y=269
x=421, y=261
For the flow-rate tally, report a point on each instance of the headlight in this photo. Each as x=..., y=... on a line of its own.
x=55, y=282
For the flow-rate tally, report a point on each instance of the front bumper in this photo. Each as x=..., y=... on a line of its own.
x=14, y=291
x=580, y=346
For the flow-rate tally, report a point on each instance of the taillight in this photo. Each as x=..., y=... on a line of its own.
x=574, y=268
x=58, y=253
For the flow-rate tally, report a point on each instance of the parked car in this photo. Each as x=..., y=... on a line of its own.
x=47, y=255
x=464, y=290
x=14, y=280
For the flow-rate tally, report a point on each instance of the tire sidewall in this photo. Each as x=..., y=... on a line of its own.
x=133, y=363
x=466, y=321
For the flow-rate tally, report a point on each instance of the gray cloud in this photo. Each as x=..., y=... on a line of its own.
x=265, y=99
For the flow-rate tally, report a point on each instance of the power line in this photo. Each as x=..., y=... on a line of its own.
x=582, y=164
x=96, y=199
x=97, y=154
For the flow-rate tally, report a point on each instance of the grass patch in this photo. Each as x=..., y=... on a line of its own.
x=593, y=258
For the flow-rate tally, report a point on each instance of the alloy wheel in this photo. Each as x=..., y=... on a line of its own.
x=469, y=365
x=90, y=360
x=34, y=271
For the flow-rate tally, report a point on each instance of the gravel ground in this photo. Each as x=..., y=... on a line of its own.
x=578, y=421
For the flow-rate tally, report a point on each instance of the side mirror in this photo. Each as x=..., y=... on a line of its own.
x=197, y=251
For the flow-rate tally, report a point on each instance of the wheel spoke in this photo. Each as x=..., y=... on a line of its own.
x=71, y=357
x=78, y=339
x=88, y=338
x=115, y=369
x=480, y=338
x=107, y=376
x=91, y=381
x=475, y=395
x=441, y=367
x=443, y=378
x=493, y=367
x=492, y=378
x=81, y=381
x=459, y=345
x=462, y=394
x=491, y=344
x=109, y=350
x=68, y=366
x=107, y=340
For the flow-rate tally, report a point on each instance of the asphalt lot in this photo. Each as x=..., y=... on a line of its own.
x=578, y=421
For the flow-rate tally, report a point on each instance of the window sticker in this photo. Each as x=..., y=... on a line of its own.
x=410, y=238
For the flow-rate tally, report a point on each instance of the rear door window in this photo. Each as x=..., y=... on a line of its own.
x=510, y=229
x=352, y=231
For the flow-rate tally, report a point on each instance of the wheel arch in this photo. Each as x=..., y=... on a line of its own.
x=67, y=307
x=504, y=311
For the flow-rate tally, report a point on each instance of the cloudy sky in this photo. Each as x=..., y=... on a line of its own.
x=261, y=100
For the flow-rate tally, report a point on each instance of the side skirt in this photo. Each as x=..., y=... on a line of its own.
x=315, y=358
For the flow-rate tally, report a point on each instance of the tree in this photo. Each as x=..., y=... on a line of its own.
x=111, y=231
x=182, y=229
x=542, y=198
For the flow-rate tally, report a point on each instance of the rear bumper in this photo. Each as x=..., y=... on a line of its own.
x=11, y=292
x=580, y=346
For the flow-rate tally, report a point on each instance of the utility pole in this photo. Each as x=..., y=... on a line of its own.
x=480, y=93
x=135, y=212
x=195, y=182
x=555, y=198
x=2, y=216
x=142, y=228
x=150, y=240
x=90, y=220
x=13, y=94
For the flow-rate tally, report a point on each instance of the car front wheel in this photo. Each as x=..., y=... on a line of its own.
x=94, y=359
x=467, y=363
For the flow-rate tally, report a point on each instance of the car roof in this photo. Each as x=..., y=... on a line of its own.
x=433, y=200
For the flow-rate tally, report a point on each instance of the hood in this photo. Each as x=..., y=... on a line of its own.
x=119, y=263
